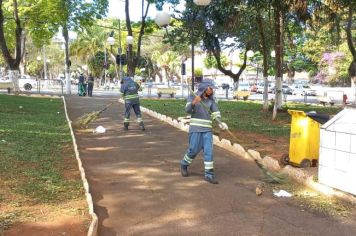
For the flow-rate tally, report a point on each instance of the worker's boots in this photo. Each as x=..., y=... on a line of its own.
x=211, y=179
x=184, y=170
x=142, y=126
x=126, y=126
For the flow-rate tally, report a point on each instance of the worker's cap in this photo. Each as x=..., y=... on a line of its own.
x=204, y=85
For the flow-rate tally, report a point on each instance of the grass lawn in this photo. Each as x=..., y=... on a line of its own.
x=242, y=115
x=37, y=162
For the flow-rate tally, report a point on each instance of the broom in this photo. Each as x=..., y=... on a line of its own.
x=87, y=118
x=270, y=177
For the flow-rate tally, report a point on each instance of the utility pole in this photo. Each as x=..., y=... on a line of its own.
x=44, y=61
x=120, y=51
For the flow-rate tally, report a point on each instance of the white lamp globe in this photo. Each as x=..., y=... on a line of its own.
x=202, y=2
x=38, y=58
x=129, y=39
x=250, y=53
x=162, y=19
x=110, y=41
x=273, y=53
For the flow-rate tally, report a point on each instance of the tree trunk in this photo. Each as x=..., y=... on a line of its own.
x=23, y=64
x=352, y=67
x=68, y=63
x=216, y=50
x=132, y=59
x=278, y=23
x=264, y=51
x=13, y=63
x=291, y=74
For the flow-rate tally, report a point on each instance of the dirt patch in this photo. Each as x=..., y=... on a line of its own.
x=20, y=215
x=63, y=225
x=267, y=146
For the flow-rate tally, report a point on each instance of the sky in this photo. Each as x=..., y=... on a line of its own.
x=117, y=9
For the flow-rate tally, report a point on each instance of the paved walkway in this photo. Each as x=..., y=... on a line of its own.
x=138, y=190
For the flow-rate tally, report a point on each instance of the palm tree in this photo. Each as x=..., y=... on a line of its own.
x=169, y=61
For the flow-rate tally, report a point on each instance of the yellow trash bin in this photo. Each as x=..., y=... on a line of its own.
x=304, y=138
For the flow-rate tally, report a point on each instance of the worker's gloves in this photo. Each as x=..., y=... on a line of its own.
x=223, y=126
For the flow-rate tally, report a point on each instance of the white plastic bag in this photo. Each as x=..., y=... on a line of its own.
x=100, y=129
x=282, y=193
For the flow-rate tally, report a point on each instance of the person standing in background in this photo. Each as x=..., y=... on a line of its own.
x=90, y=83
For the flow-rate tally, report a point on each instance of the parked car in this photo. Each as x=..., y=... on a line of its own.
x=285, y=89
x=303, y=89
x=261, y=87
x=26, y=82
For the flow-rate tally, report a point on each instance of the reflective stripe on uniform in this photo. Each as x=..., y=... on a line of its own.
x=126, y=120
x=208, y=165
x=215, y=115
x=131, y=96
x=201, y=122
x=187, y=159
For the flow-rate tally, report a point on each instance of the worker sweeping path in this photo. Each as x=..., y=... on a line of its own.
x=129, y=92
x=200, y=130
x=137, y=187
x=207, y=110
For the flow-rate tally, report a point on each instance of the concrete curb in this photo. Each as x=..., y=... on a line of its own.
x=300, y=175
x=93, y=228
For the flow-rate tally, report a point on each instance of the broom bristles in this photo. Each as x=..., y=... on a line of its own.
x=87, y=118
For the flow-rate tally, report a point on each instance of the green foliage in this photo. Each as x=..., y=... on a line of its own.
x=242, y=116
x=198, y=72
x=210, y=61
x=96, y=64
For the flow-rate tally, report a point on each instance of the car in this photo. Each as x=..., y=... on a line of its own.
x=26, y=82
x=261, y=87
x=285, y=89
x=304, y=90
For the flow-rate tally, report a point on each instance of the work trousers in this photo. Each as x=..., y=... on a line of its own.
x=137, y=110
x=200, y=141
x=90, y=89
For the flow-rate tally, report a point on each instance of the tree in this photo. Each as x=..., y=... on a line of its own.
x=39, y=19
x=13, y=61
x=75, y=15
x=352, y=67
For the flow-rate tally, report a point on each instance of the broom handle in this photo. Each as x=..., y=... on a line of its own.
x=106, y=107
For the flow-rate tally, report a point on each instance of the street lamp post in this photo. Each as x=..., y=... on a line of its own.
x=163, y=19
x=39, y=79
x=202, y=3
x=110, y=41
x=120, y=52
x=250, y=54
